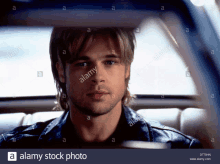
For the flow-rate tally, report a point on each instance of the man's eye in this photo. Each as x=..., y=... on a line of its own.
x=111, y=62
x=81, y=64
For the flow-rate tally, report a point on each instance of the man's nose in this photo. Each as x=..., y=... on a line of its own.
x=99, y=75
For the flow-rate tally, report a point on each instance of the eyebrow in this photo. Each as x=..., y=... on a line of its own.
x=106, y=56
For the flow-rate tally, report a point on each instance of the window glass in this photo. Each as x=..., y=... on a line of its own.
x=212, y=8
x=157, y=68
x=25, y=62
x=26, y=68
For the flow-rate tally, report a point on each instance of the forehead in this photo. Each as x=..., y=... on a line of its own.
x=100, y=43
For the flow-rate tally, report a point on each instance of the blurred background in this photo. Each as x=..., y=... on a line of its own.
x=157, y=68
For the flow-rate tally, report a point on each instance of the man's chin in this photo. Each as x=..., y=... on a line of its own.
x=95, y=109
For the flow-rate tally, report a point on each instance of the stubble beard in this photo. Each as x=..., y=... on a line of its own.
x=90, y=110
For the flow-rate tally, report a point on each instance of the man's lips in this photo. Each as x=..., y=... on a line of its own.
x=97, y=95
x=97, y=92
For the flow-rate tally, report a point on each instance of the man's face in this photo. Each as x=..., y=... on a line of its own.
x=98, y=68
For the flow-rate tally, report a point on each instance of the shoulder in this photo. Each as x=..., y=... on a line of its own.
x=23, y=136
x=154, y=131
x=177, y=139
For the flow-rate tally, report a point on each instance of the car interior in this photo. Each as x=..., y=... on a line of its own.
x=180, y=93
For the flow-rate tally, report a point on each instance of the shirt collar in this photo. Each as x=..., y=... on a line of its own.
x=56, y=129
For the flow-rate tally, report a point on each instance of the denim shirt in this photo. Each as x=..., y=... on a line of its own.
x=60, y=133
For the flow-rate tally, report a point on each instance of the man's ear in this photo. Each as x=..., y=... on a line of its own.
x=60, y=72
x=127, y=71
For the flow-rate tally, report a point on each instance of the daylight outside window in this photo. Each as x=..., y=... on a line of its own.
x=157, y=68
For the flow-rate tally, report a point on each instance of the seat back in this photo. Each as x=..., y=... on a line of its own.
x=190, y=121
x=10, y=121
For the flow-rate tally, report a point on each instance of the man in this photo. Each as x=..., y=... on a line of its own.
x=91, y=68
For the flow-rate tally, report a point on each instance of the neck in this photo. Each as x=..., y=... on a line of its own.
x=98, y=128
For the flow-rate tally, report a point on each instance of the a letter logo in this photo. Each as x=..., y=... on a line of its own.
x=12, y=156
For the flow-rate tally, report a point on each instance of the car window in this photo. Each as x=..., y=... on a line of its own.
x=25, y=62
x=212, y=9
x=157, y=68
